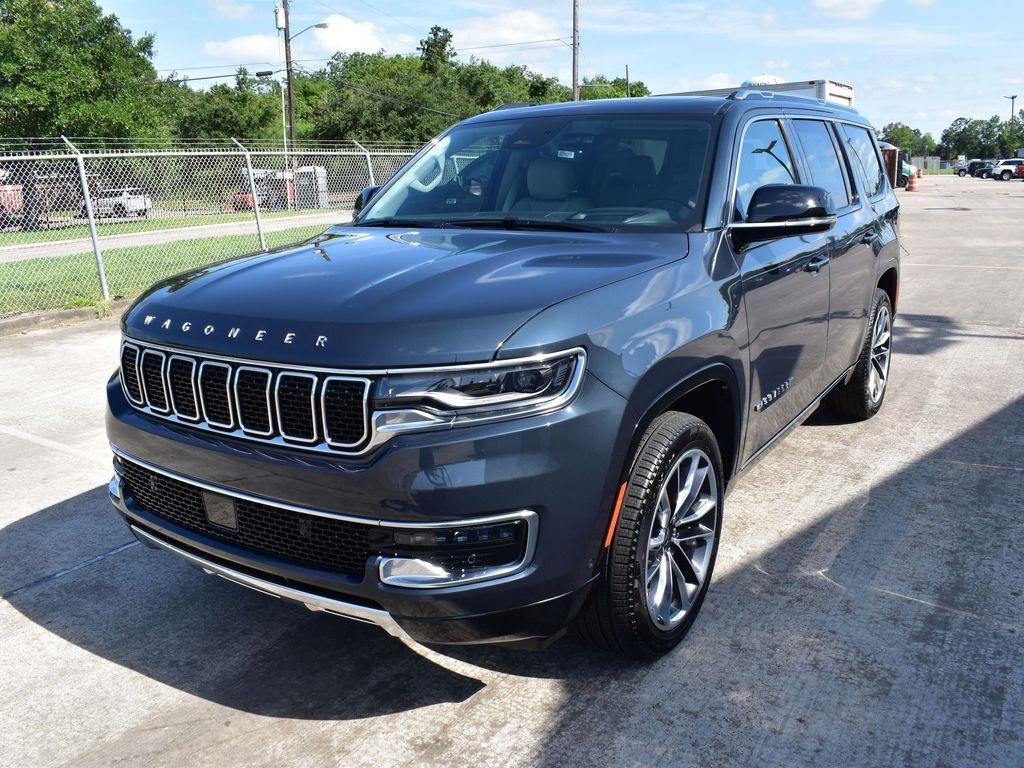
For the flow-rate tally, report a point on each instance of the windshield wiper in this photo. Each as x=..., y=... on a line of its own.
x=399, y=223
x=513, y=222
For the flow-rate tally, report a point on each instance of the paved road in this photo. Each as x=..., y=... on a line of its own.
x=867, y=609
x=56, y=248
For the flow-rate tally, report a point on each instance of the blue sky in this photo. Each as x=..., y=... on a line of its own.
x=923, y=62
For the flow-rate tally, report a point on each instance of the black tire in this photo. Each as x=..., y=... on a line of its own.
x=616, y=615
x=961, y=173
x=854, y=400
x=1006, y=175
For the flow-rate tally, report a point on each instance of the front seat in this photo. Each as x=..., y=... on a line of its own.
x=550, y=187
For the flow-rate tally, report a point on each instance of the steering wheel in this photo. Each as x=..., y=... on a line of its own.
x=438, y=162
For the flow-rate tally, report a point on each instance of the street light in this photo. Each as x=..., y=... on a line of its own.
x=280, y=89
x=284, y=24
x=1013, y=106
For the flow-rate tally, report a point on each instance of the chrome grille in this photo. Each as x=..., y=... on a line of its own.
x=312, y=410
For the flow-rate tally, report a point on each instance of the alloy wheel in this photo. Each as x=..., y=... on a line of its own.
x=881, y=349
x=682, y=538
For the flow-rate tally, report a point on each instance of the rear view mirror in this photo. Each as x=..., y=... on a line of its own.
x=784, y=210
x=364, y=198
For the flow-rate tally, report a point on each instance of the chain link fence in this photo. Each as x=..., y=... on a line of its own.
x=80, y=226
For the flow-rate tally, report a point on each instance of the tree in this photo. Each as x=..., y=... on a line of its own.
x=909, y=139
x=600, y=87
x=68, y=68
x=249, y=108
x=436, y=52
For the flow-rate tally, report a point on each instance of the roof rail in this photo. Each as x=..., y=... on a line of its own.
x=747, y=93
x=516, y=105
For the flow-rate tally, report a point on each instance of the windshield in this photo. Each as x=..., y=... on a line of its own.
x=604, y=173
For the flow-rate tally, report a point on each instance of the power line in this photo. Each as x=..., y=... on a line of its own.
x=375, y=8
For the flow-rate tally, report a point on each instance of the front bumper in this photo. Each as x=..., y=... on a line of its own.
x=562, y=466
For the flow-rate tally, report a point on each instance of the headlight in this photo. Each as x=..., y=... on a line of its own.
x=474, y=393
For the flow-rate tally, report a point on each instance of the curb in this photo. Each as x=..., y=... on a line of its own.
x=56, y=318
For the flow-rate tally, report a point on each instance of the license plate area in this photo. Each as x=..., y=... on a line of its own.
x=220, y=510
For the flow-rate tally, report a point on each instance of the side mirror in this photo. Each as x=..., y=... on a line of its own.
x=364, y=197
x=784, y=210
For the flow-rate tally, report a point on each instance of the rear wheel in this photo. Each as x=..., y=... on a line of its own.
x=903, y=181
x=861, y=397
x=664, y=544
x=961, y=173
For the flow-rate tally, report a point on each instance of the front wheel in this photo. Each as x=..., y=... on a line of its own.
x=903, y=181
x=861, y=397
x=664, y=543
x=1006, y=175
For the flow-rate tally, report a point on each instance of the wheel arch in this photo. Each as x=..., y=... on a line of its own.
x=889, y=281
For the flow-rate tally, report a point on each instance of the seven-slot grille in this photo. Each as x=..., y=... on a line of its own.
x=322, y=411
x=313, y=541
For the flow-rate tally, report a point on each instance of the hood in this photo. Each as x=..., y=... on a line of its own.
x=364, y=298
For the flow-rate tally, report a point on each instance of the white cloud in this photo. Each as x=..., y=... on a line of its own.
x=921, y=2
x=717, y=80
x=230, y=10
x=512, y=27
x=350, y=36
x=848, y=10
x=245, y=48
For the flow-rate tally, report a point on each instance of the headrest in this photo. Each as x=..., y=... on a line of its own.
x=640, y=170
x=550, y=179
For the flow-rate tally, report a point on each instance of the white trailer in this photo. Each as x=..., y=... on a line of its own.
x=829, y=90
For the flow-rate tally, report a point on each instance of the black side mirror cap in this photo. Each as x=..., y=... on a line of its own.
x=784, y=210
x=364, y=197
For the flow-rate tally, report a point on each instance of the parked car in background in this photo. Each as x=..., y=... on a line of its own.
x=512, y=393
x=1020, y=171
x=969, y=168
x=121, y=202
x=1006, y=169
x=984, y=170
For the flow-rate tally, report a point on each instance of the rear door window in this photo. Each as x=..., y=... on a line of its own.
x=764, y=159
x=865, y=155
x=823, y=162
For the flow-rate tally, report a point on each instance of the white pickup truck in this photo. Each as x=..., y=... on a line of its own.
x=121, y=202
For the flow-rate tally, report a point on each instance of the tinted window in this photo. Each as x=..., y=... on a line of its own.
x=605, y=172
x=866, y=157
x=825, y=166
x=764, y=159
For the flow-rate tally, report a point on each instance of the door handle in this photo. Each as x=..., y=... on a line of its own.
x=869, y=238
x=815, y=265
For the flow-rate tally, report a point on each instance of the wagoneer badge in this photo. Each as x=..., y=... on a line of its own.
x=232, y=332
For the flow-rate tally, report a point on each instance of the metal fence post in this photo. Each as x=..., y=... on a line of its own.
x=255, y=194
x=87, y=197
x=369, y=162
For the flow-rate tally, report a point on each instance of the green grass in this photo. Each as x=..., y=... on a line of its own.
x=937, y=172
x=79, y=228
x=73, y=281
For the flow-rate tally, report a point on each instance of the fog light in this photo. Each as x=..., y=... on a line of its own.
x=457, y=553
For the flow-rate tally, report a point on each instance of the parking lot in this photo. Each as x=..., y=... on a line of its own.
x=866, y=609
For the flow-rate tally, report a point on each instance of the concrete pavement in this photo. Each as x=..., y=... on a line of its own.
x=866, y=610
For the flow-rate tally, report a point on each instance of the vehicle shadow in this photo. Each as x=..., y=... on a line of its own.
x=888, y=631
x=148, y=612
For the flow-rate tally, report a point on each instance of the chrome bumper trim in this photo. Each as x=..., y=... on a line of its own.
x=312, y=601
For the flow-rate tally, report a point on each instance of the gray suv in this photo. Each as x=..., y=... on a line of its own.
x=511, y=395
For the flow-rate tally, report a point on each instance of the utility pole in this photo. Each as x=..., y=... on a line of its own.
x=575, y=50
x=627, y=82
x=288, y=69
x=1013, y=106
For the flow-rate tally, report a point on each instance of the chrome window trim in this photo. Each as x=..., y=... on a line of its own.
x=783, y=117
x=163, y=378
x=366, y=407
x=270, y=413
x=192, y=379
x=785, y=224
x=227, y=393
x=312, y=406
x=138, y=374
